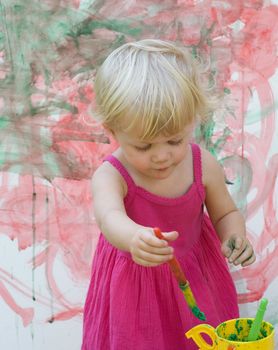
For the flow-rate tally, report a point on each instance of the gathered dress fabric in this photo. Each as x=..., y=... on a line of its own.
x=132, y=307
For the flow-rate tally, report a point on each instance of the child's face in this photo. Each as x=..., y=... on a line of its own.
x=157, y=158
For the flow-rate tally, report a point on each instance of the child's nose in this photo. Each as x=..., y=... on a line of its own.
x=161, y=156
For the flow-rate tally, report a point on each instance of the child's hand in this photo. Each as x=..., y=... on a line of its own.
x=148, y=250
x=238, y=250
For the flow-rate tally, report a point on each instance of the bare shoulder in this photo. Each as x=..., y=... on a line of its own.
x=218, y=199
x=211, y=169
x=106, y=177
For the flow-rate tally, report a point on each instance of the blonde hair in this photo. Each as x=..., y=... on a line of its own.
x=150, y=84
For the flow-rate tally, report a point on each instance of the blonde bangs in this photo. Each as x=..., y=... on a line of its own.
x=151, y=86
x=162, y=112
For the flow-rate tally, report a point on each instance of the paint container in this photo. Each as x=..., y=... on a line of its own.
x=233, y=334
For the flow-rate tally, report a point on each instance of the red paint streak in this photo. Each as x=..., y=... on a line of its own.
x=227, y=11
x=77, y=140
x=66, y=315
x=256, y=150
x=26, y=314
x=72, y=234
x=255, y=47
x=62, y=311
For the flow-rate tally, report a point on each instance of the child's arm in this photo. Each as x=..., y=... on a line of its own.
x=108, y=190
x=226, y=218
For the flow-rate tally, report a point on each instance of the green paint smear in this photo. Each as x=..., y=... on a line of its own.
x=52, y=164
x=239, y=328
x=204, y=134
x=87, y=27
x=4, y=121
x=34, y=36
x=263, y=332
x=257, y=117
x=236, y=337
x=199, y=314
x=233, y=337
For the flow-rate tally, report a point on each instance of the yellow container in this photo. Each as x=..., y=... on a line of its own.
x=232, y=334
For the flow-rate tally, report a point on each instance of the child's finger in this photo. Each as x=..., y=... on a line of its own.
x=150, y=239
x=246, y=254
x=250, y=260
x=170, y=236
x=148, y=259
x=229, y=246
x=226, y=249
x=233, y=247
x=239, y=243
x=238, y=250
x=159, y=249
x=235, y=255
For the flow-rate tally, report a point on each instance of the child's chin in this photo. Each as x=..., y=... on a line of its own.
x=162, y=173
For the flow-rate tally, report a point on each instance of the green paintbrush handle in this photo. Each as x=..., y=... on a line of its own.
x=183, y=283
x=256, y=325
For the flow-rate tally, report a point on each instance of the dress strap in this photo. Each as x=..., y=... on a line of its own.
x=122, y=170
x=197, y=168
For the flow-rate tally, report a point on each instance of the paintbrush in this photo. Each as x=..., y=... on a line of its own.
x=256, y=325
x=183, y=282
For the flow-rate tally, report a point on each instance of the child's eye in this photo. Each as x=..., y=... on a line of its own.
x=144, y=148
x=175, y=142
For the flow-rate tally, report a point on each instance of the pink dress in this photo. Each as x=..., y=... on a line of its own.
x=131, y=307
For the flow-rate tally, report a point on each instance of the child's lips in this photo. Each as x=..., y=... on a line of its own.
x=163, y=169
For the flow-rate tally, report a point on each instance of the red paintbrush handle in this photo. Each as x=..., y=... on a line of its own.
x=174, y=264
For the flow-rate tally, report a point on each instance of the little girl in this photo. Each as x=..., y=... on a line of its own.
x=150, y=96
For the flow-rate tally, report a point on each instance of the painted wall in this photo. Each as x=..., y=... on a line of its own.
x=49, y=50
